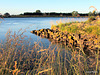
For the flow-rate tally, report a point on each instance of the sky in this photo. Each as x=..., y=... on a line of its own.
x=15, y=7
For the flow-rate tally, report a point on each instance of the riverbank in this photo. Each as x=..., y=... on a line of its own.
x=22, y=56
x=78, y=34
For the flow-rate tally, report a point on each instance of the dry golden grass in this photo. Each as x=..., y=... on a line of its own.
x=17, y=58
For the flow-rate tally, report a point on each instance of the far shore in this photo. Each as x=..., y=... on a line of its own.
x=43, y=16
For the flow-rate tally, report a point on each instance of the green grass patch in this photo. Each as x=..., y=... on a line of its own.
x=90, y=26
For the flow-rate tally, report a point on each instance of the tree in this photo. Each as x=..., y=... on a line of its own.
x=0, y=15
x=94, y=13
x=38, y=11
x=6, y=15
x=75, y=13
x=90, y=14
x=99, y=13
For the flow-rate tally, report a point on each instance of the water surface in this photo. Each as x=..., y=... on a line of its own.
x=29, y=24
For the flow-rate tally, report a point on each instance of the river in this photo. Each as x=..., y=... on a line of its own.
x=29, y=24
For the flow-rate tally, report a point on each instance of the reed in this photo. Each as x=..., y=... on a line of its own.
x=19, y=57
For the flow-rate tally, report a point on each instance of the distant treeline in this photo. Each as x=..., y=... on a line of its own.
x=53, y=14
x=72, y=14
x=38, y=13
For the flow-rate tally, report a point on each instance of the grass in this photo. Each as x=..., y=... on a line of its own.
x=90, y=27
x=19, y=57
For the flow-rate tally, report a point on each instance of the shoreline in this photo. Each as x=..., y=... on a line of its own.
x=46, y=16
x=76, y=34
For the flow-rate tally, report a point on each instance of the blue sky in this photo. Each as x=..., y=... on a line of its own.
x=21, y=6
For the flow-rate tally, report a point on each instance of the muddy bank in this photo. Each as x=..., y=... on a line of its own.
x=87, y=43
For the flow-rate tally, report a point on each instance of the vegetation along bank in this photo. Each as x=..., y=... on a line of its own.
x=85, y=35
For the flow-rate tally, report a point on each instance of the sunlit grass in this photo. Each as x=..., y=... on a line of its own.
x=17, y=57
x=78, y=27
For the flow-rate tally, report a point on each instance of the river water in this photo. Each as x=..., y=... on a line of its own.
x=29, y=24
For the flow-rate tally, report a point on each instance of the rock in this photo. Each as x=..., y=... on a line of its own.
x=86, y=41
x=79, y=36
x=42, y=30
x=38, y=33
x=58, y=39
x=34, y=31
x=61, y=39
x=64, y=38
x=65, y=42
x=47, y=35
x=31, y=31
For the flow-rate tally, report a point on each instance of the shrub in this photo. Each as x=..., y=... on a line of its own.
x=91, y=18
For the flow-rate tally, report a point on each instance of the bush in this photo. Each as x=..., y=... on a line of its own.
x=91, y=18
